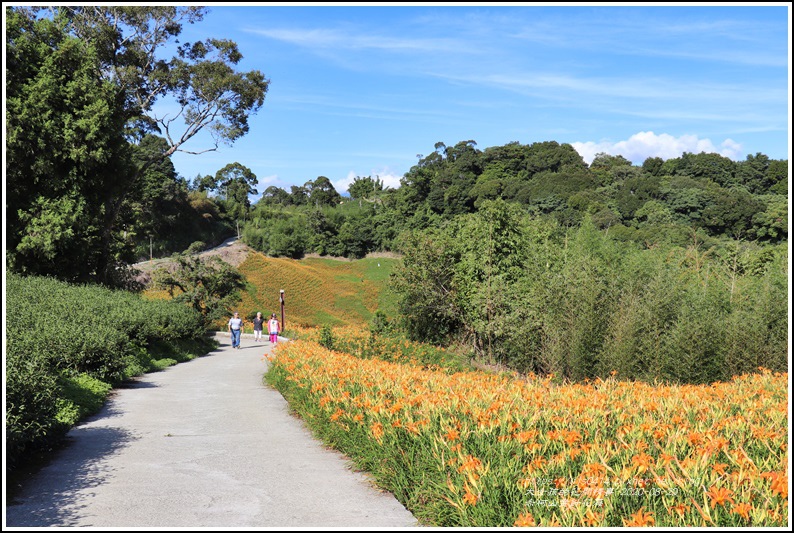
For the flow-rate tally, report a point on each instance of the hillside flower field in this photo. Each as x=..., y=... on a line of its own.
x=470, y=448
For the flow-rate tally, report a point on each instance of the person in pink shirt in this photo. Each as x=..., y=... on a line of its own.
x=274, y=328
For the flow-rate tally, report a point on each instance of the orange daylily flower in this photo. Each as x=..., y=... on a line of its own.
x=640, y=519
x=452, y=435
x=525, y=520
x=719, y=496
x=470, y=497
x=743, y=510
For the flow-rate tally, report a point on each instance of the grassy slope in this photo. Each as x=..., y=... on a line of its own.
x=317, y=291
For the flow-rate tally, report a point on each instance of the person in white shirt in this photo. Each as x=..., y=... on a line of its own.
x=235, y=329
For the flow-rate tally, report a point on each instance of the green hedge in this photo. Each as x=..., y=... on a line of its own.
x=68, y=345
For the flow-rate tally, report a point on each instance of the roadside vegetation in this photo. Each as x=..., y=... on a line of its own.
x=69, y=345
x=478, y=449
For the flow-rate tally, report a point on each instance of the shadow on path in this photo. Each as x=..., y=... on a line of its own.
x=74, y=469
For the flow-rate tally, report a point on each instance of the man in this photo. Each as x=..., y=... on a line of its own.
x=235, y=329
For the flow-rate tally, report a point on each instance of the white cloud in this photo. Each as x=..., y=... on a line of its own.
x=389, y=179
x=645, y=144
x=342, y=185
x=268, y=180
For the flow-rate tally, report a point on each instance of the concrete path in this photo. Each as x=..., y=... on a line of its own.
x=201, y=444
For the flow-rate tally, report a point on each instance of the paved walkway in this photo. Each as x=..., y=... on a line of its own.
x=201, y=444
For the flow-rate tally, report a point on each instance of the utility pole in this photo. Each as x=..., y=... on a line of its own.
x=281, y=298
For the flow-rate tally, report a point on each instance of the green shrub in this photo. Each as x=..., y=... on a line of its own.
x=327, y=337
x=67, y=345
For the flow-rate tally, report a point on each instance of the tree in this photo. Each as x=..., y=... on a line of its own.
x=83, y=92
x=710, y=166
x=427, y=298
x=365, y=187
x=321, y=192
x=772, y=223
x=208, y=285
x=235, y=182
x=299, y=195
x=275, y=196
x=64, y=136
x=653, y=166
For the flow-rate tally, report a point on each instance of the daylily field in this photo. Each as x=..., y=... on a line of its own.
x=470, y=448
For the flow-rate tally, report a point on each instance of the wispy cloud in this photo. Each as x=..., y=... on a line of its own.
x=323, y=39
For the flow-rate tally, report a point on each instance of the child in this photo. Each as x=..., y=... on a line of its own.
x=274, y=328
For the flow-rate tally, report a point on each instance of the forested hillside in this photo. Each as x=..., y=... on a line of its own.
x=696, y=196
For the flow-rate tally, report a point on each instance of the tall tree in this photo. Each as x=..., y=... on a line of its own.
x=235, y=182
x=322, y=192
x=365, y=187
x=64, y=141
x=208, y=285
x=85, y=84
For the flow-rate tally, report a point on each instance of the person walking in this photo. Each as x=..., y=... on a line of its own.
x=236, y=329
x=258, y=323
x=274, y=328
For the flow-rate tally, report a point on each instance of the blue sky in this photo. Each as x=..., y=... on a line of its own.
x=363, y=90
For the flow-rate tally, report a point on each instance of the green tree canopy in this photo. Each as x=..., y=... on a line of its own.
x=83, y=92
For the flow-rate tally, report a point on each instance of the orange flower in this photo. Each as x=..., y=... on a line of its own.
x=525, y=520
x=743, y=510
x=593, y=469
x=591, y=519
x=640, y=519
x=525, y=482
x=377, y=430
x=719, y=496
x=525, y=436
x=452, y=435
x=666, y=459
x=680, y=509
x=469, y=463
x=719, y=468
x=470, y=497
x=778, y=483
x=642, y=462
x=571, y=437
x=694, y=438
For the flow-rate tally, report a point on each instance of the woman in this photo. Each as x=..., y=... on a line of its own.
x=274, y=328
x=235, y=329
x=258, y=322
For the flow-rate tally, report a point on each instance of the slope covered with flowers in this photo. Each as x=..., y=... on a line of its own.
x=317, y=291
x=478, y=449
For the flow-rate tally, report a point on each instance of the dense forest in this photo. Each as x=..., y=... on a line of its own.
x=659, y=202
